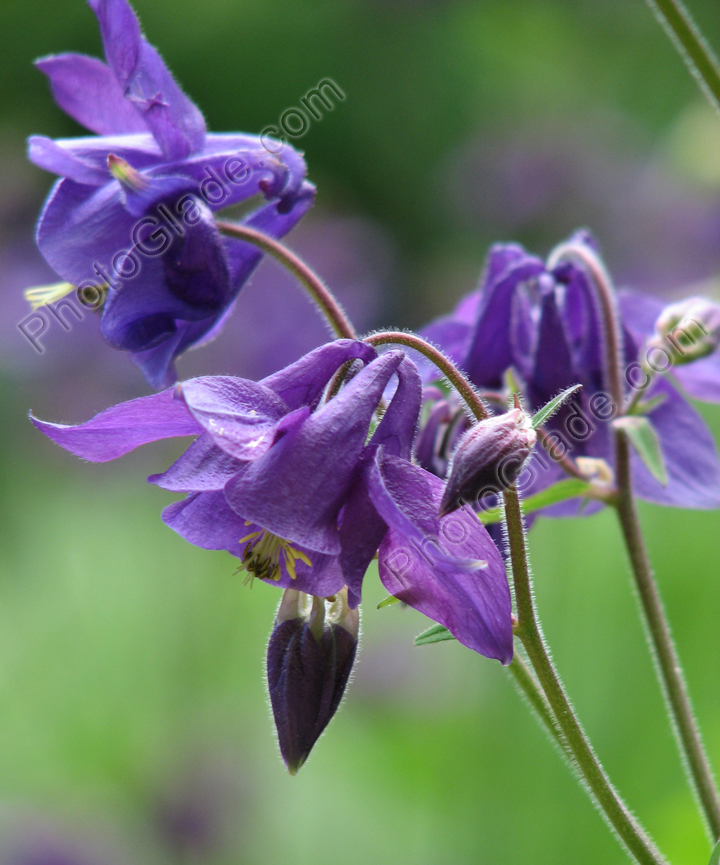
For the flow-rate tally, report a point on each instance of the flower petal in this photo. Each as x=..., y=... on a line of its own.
x=239, y=415
x=48, y=155
x=203, y=467
x=86, y=89
x=690, y=454
x=175, y=121
x=474, y=606
x=124, y=427
x=297, y=488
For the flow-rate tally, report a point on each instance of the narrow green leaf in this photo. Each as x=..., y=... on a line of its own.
x=389, y=601
x=436, y=634
x=549, y=409
x=715, y=858
x=646, y=443
x=559, y=492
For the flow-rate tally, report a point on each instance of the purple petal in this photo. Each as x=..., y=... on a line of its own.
x=396, y=430
x=203, y=467
x=553, y=369
x=124, y=427
x=490, y=350
x=239, y=415
x=87, y=90
x=474, y=606
x=48, y=155
x=639, y=312
x=701, y=379
x=175, y=121
x=690, y=455
x=297, y=488
x=303, y=382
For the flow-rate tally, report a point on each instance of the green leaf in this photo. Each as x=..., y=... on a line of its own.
x=646, y=443
x=715, y=858
x=549, y=409
x=389, y=601
x=436, y=634
x=559, y=492
x=649, y=405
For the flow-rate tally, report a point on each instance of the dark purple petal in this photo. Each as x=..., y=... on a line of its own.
x=396, y=431
x=426, y=442
x=690, y=455
x=175, y=121
x=553, y=370
x=297, y=488
x=475, y=606
x=303, y=382
x=202, y=468
x=124, y=427
x=490, y=349
x=239, y=415
x=87, y=90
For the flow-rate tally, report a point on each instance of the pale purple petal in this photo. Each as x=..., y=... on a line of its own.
x=86, y=89
x=124, y=427
x=202, y=468
x=48, y=155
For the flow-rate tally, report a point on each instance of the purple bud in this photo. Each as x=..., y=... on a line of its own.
x=489, y=458
x=309, y=660
x=691, y=328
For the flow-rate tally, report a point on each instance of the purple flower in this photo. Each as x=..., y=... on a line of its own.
x=542, y=321
x=132, y=216
x=299, y=491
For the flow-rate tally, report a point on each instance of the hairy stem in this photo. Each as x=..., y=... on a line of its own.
x=528, y=685
x=616, y=812
x=444, y=364
x=691, y=45
x=666, y=658
x=319, y=292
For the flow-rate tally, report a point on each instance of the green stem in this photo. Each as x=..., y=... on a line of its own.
x=666, y=658
x=446, y=366
x=691, y=45
x=319, y=292
x=617, y=814
x=531, y=690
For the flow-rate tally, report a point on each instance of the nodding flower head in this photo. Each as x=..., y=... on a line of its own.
x=488, y=459
x=310, y=655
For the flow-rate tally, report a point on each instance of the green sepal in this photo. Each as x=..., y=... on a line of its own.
x=559, y=492
x=715, y=858
x=436, y=634
x=389, y=601
x=644, y=439
x=549, y=409
x=649, y=405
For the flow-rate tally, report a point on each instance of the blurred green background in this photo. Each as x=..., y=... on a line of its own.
x=133, y=714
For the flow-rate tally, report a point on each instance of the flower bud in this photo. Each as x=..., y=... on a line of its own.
x=692, y=327
x=309, y=660
x=489, y=458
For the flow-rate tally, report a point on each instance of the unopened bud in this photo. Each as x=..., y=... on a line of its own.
x=309, y=659
x=692, y=327
x=488, y=459
x=123, y=172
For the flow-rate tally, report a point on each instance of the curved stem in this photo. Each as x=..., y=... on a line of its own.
x=444, y=364
x=319, y=292
x=691, y=45
x=563, y=460
x=619, y=817
x=666, y=658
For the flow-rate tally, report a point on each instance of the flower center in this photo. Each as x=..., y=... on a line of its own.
x=265, y=553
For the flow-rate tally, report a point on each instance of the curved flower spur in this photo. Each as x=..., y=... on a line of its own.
x=130, y=225
x=299, y=491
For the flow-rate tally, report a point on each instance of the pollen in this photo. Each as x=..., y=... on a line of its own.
x=42, y=295
x=265, y=554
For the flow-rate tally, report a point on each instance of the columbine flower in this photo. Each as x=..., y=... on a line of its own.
x=543, y=324
x=309, y=660
x=304, y=496
x=132, y=216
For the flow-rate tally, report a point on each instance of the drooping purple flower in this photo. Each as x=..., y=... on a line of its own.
x=543, y=323
x=133, y=212
x=299, y=491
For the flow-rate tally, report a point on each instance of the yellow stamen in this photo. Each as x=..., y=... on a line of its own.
x=42, y=295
